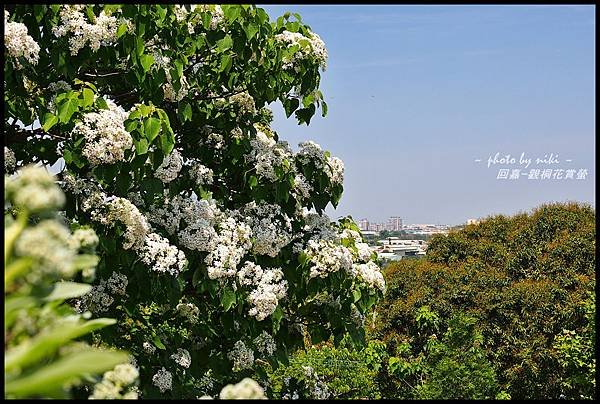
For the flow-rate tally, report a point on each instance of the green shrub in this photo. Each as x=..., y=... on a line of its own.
x=524, y=278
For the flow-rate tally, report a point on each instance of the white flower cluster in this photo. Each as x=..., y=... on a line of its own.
x=106, y=139
x=163, y=379
x=241, y=356
x=237, y=133
x=164, y=62
x=232, y=243
x=318, y=226
x=115, y=383
x=271, y=227
x=193, y=220
x=309, y=46
x=318, y=389
x=364, y=269
x=267, y=154
x=265, y=344
x=246, y=389
x=189, y=311
x=302, y=189
x=18, y=43
x=269, y=287
x=311, y=152
x=217, y=16
x=34, y=189
x=170, y=167
x=136, y=225
x=58, y=86
x=117, y=283
x=84, y=239
x=154, y=250
x=201, y=174
x=161, y=256
x=244, y=102
x=182, y=357
x=169, y=91
x=102, y=31
x=364, y=252
x=370, y=274
x=75, y=185
x=335, y=170
x=206, y=383
x=10, y=161
x=100, y=297
x=49, y=244
x=199, y=236
x=135, y=197
x=327, y=257
x=148, y=348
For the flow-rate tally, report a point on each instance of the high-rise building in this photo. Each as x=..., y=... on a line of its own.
x=363, y=224
x=394, y=223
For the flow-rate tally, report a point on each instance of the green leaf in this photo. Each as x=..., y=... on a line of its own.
x=179, y=67
x=228, y=298
x=158, y=342
x=141, y=146
x=151, y=128
x=187, y=112
x=225, y=63
x=52, y=377
x=356, y=295
x=39, y=11
x=251, y=30
x=101, y=102
x=162, y=13
x=49, y=121
x=167, y=142
x=276, y=317
x=67, y=109
x=88, y=97
x=231, y=12
x=121, y=30
x=89, y=10
x=197, y=277
x=225, y=43
x=45, y=344
x=146, y=61
x=67, y=290
x=324, y=109
x=139, y=46
x=130, y=124
x=290, y=105
x=252, y=182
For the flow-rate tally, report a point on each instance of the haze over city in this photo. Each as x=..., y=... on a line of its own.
x=417, y=94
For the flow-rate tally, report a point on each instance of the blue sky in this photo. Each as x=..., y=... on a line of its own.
x=417, y=93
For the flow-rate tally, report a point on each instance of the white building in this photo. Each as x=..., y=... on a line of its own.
x=395, y=223
x=400, y=249
x=363, y=224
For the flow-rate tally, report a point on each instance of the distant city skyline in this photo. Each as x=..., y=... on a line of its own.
x=420, y=97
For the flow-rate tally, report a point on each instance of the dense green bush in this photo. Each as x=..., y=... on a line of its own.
x=525, y=279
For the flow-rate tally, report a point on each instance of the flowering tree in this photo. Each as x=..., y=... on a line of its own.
x=215, y=252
